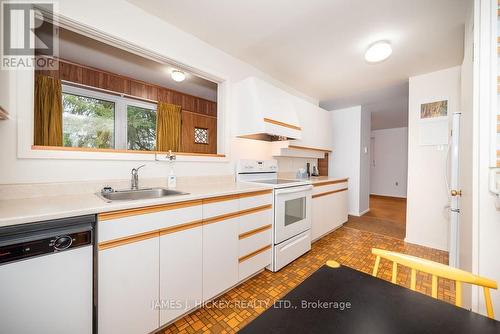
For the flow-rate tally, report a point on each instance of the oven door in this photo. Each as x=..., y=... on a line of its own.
x=292, y=212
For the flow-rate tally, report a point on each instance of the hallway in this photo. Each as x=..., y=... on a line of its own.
x=387, y=216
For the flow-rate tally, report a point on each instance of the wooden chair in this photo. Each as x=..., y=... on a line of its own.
x=436, y=270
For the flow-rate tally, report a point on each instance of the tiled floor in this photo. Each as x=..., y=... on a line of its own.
x=387, y=216
x=348, y=246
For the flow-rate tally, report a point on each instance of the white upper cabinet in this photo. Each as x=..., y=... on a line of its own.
x=316, y=125
x=264, y=109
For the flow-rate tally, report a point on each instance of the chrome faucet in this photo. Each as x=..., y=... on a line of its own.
x=134, y=181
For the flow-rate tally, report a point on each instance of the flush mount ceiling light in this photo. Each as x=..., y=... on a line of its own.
x=378, y=52
x=178, y=76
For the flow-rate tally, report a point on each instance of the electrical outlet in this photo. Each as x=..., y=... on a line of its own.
x=165, y=157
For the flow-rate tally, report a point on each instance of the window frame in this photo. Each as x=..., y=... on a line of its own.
x=72, y=90
x=121, y=112
x=134, y=103
x=23, y=82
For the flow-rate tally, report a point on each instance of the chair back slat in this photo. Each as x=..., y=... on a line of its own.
x=458, y=293
x=434, y=286
x=375, y=267
x=436, y=270
x=394, y=272
x=413, y=281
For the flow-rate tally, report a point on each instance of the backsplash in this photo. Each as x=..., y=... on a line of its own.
x=291, y=165
x=33, y=190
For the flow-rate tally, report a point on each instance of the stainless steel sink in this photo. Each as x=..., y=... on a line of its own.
x=148, y=193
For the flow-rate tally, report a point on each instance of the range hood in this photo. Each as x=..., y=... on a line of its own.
x=264, y=112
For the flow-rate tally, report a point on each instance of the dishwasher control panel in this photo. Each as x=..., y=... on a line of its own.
x=48, y=245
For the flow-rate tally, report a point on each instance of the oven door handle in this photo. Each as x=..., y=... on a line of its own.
x=293, y=190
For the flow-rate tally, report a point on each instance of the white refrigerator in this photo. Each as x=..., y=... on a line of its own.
x=454, y=191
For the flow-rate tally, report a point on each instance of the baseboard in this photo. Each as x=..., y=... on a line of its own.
x=424, y=244
x=364, y=212
x=358, y=214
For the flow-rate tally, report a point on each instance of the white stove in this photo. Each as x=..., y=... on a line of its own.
x=292, y=209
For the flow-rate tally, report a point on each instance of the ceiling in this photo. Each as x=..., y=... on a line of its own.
x=388, y=105
x=87, y=51
x=317, y=46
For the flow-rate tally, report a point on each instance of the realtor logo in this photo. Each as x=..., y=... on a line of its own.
x=29, y=35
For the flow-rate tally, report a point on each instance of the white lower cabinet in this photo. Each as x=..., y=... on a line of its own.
x=158, y=266
x=328, y=213
x=220, y=257
x=181, y=274
x=129, y=288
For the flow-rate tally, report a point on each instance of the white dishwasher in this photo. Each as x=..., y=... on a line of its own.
x=46, y=277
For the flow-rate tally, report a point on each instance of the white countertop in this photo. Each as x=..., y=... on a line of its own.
x=312, y=179
x=319, y=179
x=27, y=210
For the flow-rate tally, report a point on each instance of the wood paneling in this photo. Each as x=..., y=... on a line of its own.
x=197, y=112
x=97, y=78
x=323, y=165
x=190, y=121
x=189, y=103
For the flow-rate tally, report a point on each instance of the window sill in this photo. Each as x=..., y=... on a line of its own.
x=60, y=152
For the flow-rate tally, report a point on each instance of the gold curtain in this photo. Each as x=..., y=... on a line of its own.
x=48, y=111
x=168, y=127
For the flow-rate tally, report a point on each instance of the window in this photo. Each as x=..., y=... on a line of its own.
x=88, y=122
x=201, y=136
x=141, y=128
x=100, y=120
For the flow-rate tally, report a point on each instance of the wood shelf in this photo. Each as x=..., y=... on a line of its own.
x=112, y=150
x=283, y=124
x=296, y=147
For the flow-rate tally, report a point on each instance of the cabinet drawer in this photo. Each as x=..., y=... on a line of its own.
x=324, y=189
x=110, y=229
x=251, y=243
x=291, y=249
x=219, y=206
x=252, y=221
x=255, y=201
x=255, y=263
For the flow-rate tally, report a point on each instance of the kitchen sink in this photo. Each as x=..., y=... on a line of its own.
x=147, y=193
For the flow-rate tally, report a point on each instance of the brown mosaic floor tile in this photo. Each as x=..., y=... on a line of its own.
x=348, y=246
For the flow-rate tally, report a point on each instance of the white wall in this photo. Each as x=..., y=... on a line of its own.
x=346, y=158
x=153, y=34
x=426, y=213
x=389, y=162
x=364, y=171
x=466, y=156
x=486, y=218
